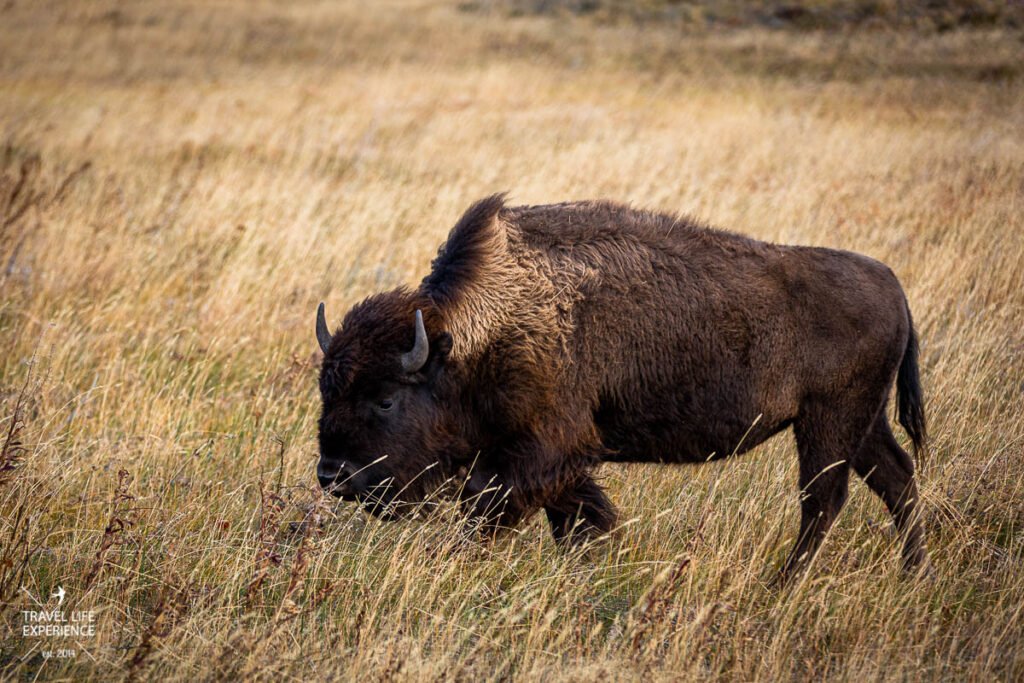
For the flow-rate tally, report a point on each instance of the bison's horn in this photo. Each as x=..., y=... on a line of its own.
x=323, y=335
x=413, y=360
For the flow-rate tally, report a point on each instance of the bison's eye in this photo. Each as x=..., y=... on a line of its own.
x=385, y=404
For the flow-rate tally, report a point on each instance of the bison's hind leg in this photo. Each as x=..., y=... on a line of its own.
x=889, y=471
x=827, y=437
x=580, y=513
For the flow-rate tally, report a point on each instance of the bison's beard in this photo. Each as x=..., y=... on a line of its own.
x=419, y=499
x=397, y=509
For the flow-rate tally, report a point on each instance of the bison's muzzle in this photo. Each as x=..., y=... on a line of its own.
x=335, y=481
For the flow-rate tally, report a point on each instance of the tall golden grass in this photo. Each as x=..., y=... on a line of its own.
x=182, y=182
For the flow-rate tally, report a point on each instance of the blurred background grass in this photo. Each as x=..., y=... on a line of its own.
x=182, y=182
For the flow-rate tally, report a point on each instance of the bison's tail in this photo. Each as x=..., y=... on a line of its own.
x=910, y=402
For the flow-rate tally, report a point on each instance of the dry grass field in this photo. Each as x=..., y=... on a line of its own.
x=182, y=182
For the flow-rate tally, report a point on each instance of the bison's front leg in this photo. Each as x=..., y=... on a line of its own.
x=508, y=484
x=491, y=502
x=580, y=513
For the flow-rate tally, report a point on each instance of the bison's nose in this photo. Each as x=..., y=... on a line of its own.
x=334, y=480
x=329, y=471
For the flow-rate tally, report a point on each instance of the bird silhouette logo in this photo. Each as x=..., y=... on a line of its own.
x=59, y=595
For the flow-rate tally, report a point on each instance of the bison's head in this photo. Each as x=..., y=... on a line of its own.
x=384, y=430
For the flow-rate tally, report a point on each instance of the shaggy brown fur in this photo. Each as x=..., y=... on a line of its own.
x=564, y=335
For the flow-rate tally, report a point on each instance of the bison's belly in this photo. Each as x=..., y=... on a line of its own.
x=652, y=442
x=680, y=431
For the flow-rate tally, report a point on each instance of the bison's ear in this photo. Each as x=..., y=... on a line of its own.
x=443, y=345
x=440, y=348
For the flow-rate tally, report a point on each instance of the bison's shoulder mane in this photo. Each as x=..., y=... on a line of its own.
x=479, y=243
x=504, y=267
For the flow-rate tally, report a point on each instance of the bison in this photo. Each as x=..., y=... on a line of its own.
x=549, y=339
